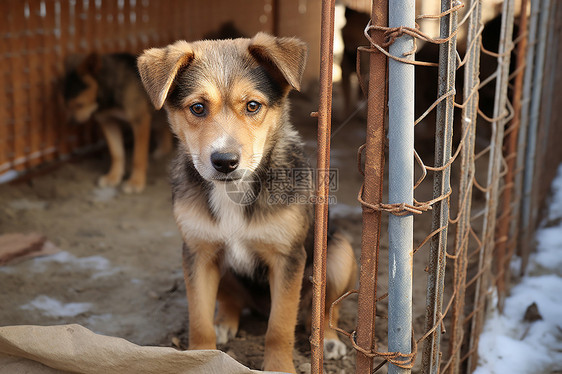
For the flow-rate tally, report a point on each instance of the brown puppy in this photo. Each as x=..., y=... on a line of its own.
x=108, y=89
x=247, y=232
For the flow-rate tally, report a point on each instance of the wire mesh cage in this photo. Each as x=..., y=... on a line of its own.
x=493, y=74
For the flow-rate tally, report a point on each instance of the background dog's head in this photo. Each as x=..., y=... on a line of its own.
x=80, y=88
x=224, y=98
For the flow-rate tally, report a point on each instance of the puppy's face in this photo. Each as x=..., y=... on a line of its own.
x=81, y=89
x=224, y=98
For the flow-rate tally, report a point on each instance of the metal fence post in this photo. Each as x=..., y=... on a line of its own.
x=528, y=217
x=441, y=187
x=524, y=124
x=508, y=203
x=372, y=193
x=401, y=182
x=501, y=116
x=322, y=190
x=469, y=118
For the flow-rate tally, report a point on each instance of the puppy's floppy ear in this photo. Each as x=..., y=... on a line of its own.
x=283, y=57
x=158, y=68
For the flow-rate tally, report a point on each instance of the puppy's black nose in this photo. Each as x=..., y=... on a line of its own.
x=225, y=162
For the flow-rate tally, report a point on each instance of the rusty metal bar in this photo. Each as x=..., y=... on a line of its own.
x=529, y=213
x=372, y=193
x=469, y=117
x=546, y=107
x=524, y=123
x=494, y=165
x=503, y=259
x=323, y=166
x=441, y=187
x=401, y=182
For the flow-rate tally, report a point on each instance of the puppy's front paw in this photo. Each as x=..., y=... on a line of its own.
x=224, y=333
x=109, y=180
x=133, y=186
x=334, y=349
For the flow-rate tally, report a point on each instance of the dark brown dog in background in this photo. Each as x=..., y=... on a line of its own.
x=107, y=89
x=227, y=103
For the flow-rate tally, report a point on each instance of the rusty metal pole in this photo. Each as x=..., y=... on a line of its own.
x=502, y=259
x=469, y=118
x=524, y=125
x=494, y=165
x=441, y=187
x=372, y=193
x=401, y=182
x=528, y=212
x=323, y=166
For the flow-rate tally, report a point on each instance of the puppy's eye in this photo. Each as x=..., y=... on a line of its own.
x=198, y=109
x=253, y=106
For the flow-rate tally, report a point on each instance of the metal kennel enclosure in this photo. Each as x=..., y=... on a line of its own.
x=471, y=241
x=491, y=165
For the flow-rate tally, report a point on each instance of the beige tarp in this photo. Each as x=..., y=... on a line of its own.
x=75, y=349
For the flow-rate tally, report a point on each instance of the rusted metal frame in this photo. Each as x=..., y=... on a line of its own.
x=35, y=140
x=17, y=63
x=401, y=182
x=494, y=166
x=50, y=74
x=503, y=258
x=548, y=94
x=69, y=139
x=131, y=22
x=276, y=10
x=515, y=233
x=322, y=190
x=469, y=117
x=6, y=146
x=542, y=181
x=83, y=25
x=441, y=186
x=528, y=212
x=372, y=193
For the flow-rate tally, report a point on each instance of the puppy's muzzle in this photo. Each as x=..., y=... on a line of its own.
x=225, y=162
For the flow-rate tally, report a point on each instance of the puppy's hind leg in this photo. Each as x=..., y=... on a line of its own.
x=341, y=275
x=141, y=133
x=114, y=138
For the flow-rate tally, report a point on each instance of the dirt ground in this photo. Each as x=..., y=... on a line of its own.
x=118, y=271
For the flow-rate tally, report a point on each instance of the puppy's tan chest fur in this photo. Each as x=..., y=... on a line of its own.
x=243, y=240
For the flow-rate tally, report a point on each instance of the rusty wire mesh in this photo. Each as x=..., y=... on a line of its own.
x=37, y=36
x=468, y=257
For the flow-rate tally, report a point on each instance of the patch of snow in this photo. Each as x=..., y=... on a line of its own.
x=549, y=249
x=93, y=321
x=24, y=204
x=100, y=265
x=104, y=194
x=8, y=176
x=555, y=203
x=54, y=308
x=509, y=344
